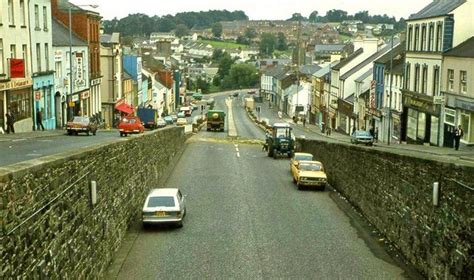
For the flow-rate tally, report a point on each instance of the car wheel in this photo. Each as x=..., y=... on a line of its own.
x=94, y=133
x=76, y=133
x=180, y=224
x=323, y=187
x=87, y=132
x=299, y=186
x=121, y=134
x=69, y=132
x=145, y=226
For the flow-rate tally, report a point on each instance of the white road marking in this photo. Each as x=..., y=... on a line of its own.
x=237, y=150
x=238, y=154
x=45, y=140
x=33, y=155
x=18, y=140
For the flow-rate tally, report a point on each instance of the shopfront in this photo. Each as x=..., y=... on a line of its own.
x=347, y=119
x=43, y=94
x=459, y=111
x=16, y=97
x=422, y=119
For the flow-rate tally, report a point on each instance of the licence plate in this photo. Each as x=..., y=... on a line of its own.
x=161, y=214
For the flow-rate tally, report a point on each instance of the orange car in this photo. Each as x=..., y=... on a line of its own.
x=129, y=125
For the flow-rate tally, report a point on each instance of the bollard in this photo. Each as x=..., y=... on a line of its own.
x=435, y=193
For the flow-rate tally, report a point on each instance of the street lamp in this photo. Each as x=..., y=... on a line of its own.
x=69, y=111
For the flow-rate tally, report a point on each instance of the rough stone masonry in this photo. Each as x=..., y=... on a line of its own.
x=49, y=228
x=395, y=193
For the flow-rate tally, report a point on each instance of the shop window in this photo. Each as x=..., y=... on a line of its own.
x=434, y=130
x=411, y=123
x=449, y=116
x=463, y=81
x=465, y=125
x=421, y=125
x=19, y=103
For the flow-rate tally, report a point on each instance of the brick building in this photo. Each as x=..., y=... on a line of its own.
x=86, y=25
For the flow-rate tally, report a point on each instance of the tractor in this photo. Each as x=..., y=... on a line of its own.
x=280, y=141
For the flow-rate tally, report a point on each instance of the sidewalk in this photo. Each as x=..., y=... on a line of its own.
x=464, y=152
x=37, y=134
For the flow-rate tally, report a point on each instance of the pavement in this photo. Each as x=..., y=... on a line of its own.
x=464, y=153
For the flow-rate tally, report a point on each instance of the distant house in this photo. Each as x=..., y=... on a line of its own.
x=162, y=36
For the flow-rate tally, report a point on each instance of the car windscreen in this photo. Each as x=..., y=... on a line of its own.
x=161, y=201
x=303, y=157
x=363, y=133
x=311, y=167
x=81, y=120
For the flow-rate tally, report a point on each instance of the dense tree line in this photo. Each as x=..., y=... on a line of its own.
x=141, y=24
x=340, y=15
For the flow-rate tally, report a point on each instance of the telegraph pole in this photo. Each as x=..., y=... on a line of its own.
x=298, y=53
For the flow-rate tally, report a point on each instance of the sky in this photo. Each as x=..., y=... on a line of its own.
x=255, y=9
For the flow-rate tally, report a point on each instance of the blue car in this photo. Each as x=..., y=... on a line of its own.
x=362, y=137
x=168, y=120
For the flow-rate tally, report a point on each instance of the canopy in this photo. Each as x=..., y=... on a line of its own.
x=124, y=107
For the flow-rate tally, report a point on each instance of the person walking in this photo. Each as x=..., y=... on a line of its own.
x=304, y=121
x=10, y=122
x=458, y=134
x=39, y=119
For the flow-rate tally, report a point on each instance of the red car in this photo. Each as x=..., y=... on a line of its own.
x=129, y=125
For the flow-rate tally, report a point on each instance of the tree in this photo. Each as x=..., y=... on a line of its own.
x=313, y=17
x=297, y=17
x=217, y=55
x=217, y=29
x=267, y=44
x=336, y=15
x=241, y=76
x=243, y=40
x=181, y=30
x=281, y=44
x=202, y=84
x=224, y=65
x=250, y=33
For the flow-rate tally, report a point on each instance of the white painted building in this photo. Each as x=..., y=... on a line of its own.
x=438, y=27
x=80, y=72
x=16, y=85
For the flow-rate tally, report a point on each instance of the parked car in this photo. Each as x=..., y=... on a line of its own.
x=181, y=115
x=130, y=125
x=309, y=173
x=168, y=119
x=299, y=156
x=81, y=124
x=161, y=123
x=195, y=107
x=362, y=137
x=182, y=121
x=163, y=206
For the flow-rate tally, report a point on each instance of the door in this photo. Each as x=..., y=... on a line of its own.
x=448, y=135
x=2, y=114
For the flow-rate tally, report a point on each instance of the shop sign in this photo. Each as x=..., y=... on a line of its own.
x=37, y=95
x=419, y=104
x=468, y=106
x=372, y=94
x=439, y=100
x=75, y=98
x=85, y=94
x=95, y=82
x=17, y=83
x=58, y=55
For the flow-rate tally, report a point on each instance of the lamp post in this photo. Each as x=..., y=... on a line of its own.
x=69, y=111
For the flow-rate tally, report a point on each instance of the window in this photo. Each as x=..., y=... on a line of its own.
x=12, y=51
x=410, y=39
x=436, y=81
x=2, y=69
x=407, y=76
x=417, y=38
x=38, y=57
x=417, y=78
x=24, y=50
x=11, y=13
x=431, y=38
x=439, y=39
x=450, y=79
x=57, y=69
x=45, y=18
x=449, y=116
x=424, y=80
x=463, y=81
x=37, y=20
x=46, y=56
x=22, y=13
x=423, y=38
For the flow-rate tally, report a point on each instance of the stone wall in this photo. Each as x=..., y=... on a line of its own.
x=49, y=229
x=394, y=192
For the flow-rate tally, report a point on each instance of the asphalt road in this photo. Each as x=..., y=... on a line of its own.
x=246, y=220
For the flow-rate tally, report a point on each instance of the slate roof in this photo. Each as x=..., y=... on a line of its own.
x=309, y=69
x=61, y=35
x=113, y=38
x=348, y=59
x=325, y=70
x=65, y=4
x=329, y=48
x=364, y=63
x=277, y=71
x=397, y=49
x=465, y=49
x=437, y=8
x=364, y=76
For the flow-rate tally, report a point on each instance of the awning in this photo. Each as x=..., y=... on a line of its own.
x=124, y=107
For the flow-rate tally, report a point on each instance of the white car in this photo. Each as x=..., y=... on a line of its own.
x=164, y=206
x=182, y=121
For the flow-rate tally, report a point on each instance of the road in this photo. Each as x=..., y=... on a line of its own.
x=247, y=220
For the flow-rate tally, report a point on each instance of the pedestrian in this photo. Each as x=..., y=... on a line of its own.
x=304, y=121
x=10, y=122
x=39, y=119
x=458, y=134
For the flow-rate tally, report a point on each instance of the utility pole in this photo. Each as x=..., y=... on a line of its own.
x=390, y=97
x=298, y=45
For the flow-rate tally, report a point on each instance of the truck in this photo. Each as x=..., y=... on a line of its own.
x=148, y=116
x=215, y=120
x=280, y=140
x=249, y=103
x=187, y=110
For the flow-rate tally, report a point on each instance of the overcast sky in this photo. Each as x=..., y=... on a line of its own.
x=255, y=9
